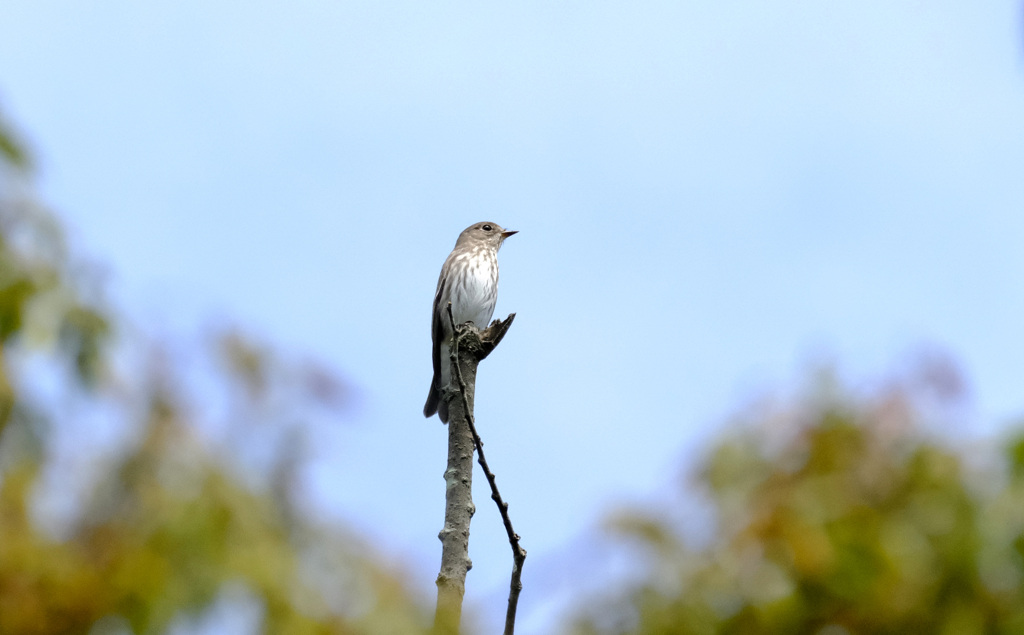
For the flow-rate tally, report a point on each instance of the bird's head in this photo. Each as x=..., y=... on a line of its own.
x=487, y=233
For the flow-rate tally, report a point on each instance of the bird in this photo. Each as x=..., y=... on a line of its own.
x=469, y=280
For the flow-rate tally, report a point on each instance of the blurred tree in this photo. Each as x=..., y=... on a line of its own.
x=170, y=527
x=838, y=516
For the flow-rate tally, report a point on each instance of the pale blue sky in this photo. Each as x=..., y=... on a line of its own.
x=707, y=195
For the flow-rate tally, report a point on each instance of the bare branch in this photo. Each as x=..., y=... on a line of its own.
x=459, y=508
x=488, y=340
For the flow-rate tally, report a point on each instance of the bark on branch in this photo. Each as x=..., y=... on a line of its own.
x=469, y=348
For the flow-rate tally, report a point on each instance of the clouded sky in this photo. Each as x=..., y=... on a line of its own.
x=708, y=194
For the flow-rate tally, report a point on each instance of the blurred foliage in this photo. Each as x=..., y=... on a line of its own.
x=12, y=151
x=840, y=515
x=171, y=523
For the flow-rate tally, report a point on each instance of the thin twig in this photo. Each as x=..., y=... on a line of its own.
x=518, y=553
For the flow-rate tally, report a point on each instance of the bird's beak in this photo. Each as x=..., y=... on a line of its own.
x=505, y=234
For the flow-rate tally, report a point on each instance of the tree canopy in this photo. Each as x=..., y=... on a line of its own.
x=837, y=515
x=169, y=527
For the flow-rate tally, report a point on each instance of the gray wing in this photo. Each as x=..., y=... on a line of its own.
x=437, y=326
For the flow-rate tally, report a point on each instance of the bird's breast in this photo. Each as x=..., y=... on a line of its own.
x=474, y=289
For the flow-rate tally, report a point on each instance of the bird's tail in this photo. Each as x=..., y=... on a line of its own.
x=433, y=398
x=435, y=405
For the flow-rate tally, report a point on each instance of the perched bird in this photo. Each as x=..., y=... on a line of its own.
x=469, y=280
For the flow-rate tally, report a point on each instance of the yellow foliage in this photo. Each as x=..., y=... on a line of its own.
x=172, y=524
x=835, y=518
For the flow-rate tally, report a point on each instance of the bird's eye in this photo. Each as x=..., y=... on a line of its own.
x=487, y=228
